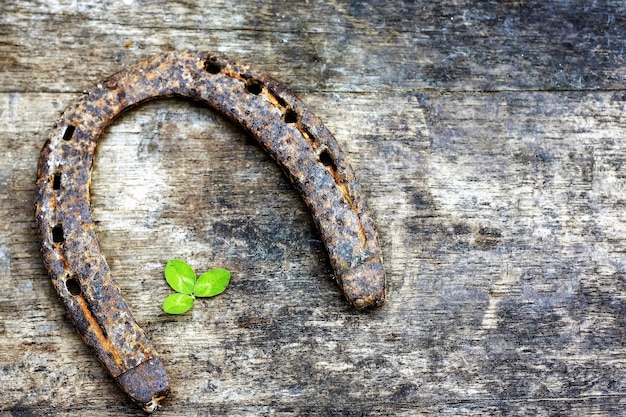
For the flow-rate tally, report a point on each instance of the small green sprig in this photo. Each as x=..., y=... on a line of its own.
x=182, y=278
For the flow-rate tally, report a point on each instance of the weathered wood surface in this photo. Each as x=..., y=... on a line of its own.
x=489, y=137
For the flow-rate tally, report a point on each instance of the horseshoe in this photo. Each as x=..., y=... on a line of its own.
x=290, y=133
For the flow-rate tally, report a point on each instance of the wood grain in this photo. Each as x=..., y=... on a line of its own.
x=488, y=137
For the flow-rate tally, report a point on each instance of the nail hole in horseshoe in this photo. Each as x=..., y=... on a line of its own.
x=56, y=181
x=57, y=234
x=325, y=158
x=254, y=87
x=73, y=286
x=212, y=66
x=291, y=116
x=69, y=132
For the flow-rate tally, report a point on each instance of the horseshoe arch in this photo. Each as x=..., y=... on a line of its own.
x=291, y=134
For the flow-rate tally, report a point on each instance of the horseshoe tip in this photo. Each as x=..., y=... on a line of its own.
x=364, y=284
x=146, y=384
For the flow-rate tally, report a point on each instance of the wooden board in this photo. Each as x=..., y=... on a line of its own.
x=488, y=137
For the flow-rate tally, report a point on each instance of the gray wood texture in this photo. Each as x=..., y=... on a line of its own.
x=488, y=137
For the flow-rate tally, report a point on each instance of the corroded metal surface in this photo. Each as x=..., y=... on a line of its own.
x=291, y=134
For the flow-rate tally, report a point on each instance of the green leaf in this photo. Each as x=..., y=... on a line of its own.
x=212, y=283
x=180, y=276
x=177, y=303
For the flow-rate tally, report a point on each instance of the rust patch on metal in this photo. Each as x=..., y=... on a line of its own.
x=293, y=136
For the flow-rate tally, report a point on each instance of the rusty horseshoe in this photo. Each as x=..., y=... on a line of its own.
x=291, y=134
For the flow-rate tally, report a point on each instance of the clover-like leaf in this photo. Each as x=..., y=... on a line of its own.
x=180, y=275
x=177, y=303
x=211, y=283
